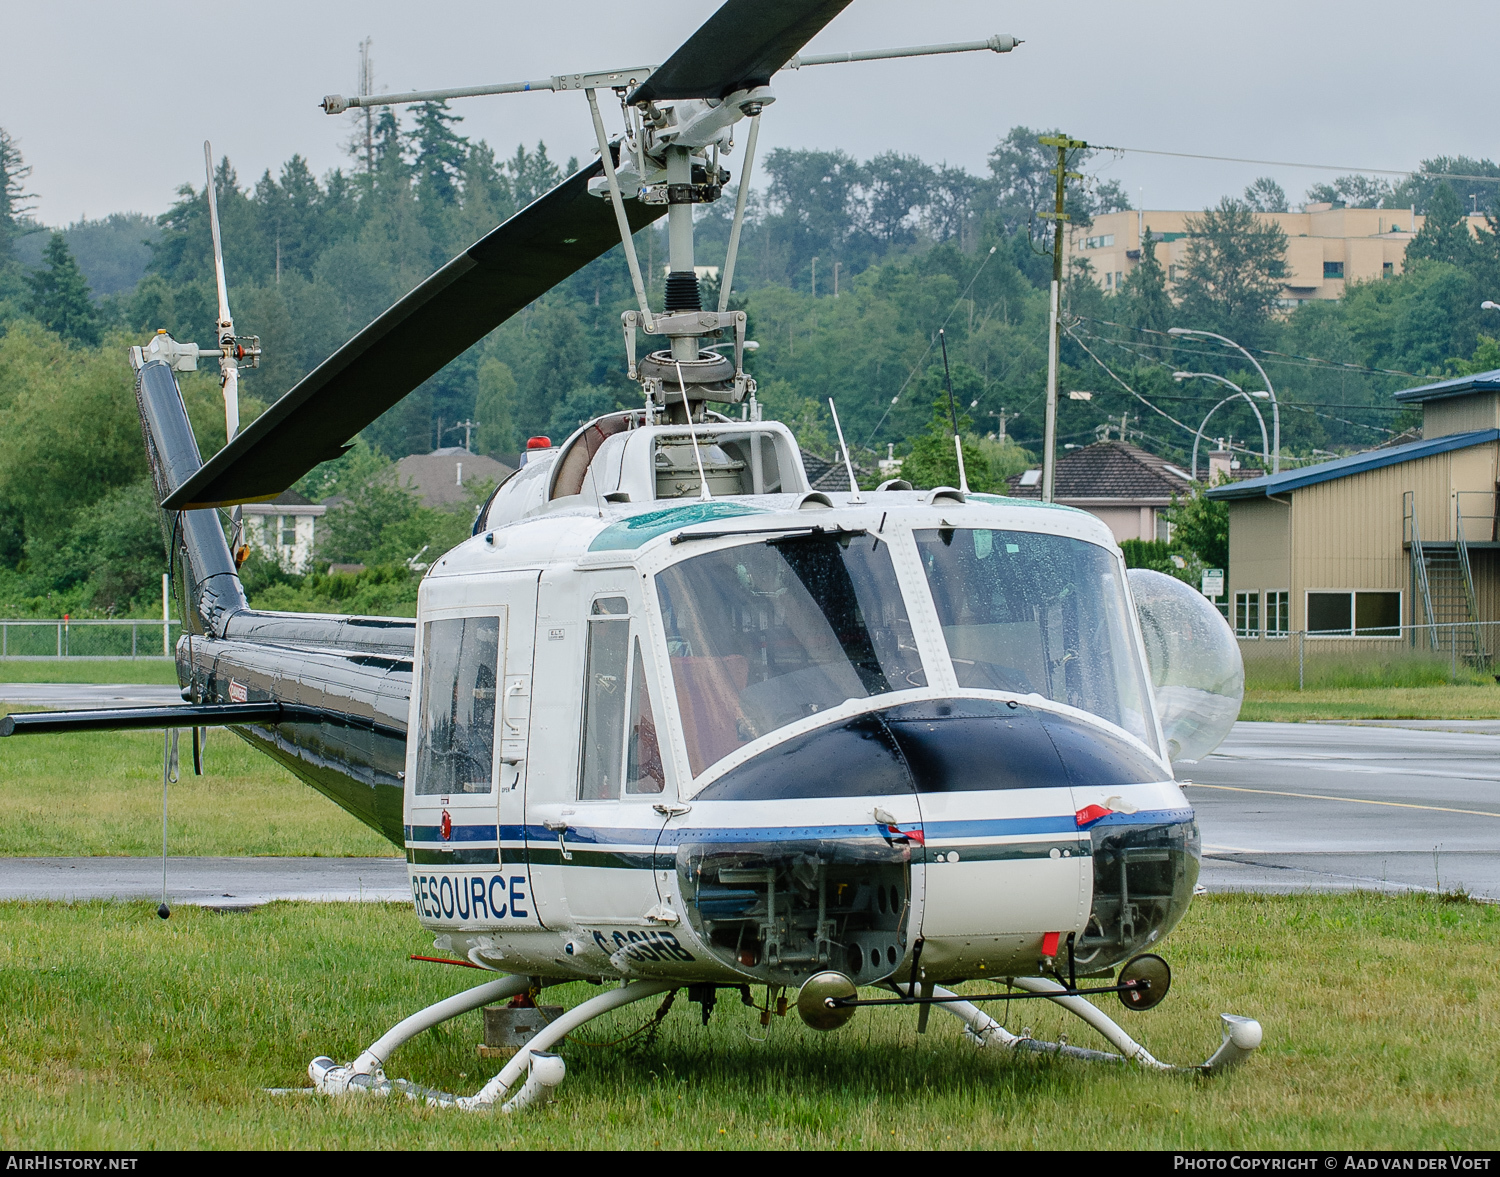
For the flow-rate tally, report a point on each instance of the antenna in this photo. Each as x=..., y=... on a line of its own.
x=958, y=441
x=703, y=491
x=848, y=465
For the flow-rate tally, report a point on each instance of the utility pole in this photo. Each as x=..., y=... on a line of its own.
x=1057, y=216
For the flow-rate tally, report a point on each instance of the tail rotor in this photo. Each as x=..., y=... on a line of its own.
x=232, y=350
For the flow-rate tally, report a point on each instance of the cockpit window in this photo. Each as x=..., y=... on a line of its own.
x=765, y=634
x=1035, y=613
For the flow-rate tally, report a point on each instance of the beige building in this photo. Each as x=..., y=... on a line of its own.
x=1366, y=545
x=1326, y=247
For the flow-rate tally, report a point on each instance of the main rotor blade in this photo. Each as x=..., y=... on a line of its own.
x=554, y=236
x=738, y=47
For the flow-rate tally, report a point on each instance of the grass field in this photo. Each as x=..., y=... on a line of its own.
x=124, y=670
x=1439, y=702
x=100, y=793
x=1381, y=1013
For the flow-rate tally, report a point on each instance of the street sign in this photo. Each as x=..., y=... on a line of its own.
x=1213, y=583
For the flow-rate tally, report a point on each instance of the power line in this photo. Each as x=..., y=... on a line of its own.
x=1282, y=163
x=1344, y=364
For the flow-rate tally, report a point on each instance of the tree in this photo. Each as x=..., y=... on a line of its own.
x=1265, y=195
x=1235, y=267
x=1147, y=303
x=1022, y=184
x=1353, y=192
x=14, y=199
x=494, y=408
x=898, y=185
x=1445, y=235
x=439, y=152
x=60, y=298
x=1201, y=525
x=933, y=460
x=1421, y=187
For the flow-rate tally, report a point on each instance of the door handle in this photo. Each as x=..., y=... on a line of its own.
x=670, y=811
x=560, y=828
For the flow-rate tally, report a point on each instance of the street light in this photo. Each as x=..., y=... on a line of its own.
x=1275, y=408
x=1250, y=399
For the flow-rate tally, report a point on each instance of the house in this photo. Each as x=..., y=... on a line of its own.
x=1366, y=545
x=283, y=529
x=1126, y=486
x=445, y=476
x=1327, y=246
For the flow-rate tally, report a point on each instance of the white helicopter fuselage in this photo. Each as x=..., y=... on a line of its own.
x=745, y=739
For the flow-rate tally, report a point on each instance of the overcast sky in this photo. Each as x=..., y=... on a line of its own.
x=111, y=101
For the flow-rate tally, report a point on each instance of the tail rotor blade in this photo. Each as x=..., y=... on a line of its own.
x=213, y=221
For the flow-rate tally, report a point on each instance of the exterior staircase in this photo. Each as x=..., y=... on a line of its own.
x=1443, y=590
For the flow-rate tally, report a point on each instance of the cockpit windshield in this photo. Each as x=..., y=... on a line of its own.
x=764, y=634
x=1035, y=613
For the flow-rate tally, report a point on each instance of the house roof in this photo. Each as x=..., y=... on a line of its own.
x=435, y=476
x=829, y=473
x=1458, y=386
x=288, y=502
x=1354, y=464
x=1113, y=470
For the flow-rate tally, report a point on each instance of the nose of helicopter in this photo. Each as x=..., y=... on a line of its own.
x=1019, y=816
x=940, y=746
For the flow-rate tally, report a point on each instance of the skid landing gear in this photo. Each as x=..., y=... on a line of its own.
x=1241, y=1035
x=543, y=1069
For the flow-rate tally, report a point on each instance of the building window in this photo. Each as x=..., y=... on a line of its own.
x=288, y=531
x=1171, y=273
x=1387, y=269
x=1364, y=614
x=1278, y=613
x=1247, y=615
x=1103, y=242
x=1163, y=527
x=1333, y=269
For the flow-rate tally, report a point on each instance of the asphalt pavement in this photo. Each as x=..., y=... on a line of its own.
x=65, y=696
x=1370, y=805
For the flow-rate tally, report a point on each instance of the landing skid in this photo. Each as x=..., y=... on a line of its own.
x=1241, y=1035
x=544, y=1070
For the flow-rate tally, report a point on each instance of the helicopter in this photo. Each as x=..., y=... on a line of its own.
x=673, y=719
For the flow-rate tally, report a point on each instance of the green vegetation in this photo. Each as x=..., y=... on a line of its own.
x=226, y=1005
x=100, y=793
x=133, y=670
x=1439, y=702
x=1335, y=664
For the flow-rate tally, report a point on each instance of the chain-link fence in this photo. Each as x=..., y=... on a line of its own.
x=87, y=639
x=1401, y=656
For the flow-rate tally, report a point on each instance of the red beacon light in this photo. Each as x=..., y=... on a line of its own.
x=538, y=443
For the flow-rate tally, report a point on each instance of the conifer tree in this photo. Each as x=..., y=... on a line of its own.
x=60, y=298
x=440, y=152
x=1147, y=302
